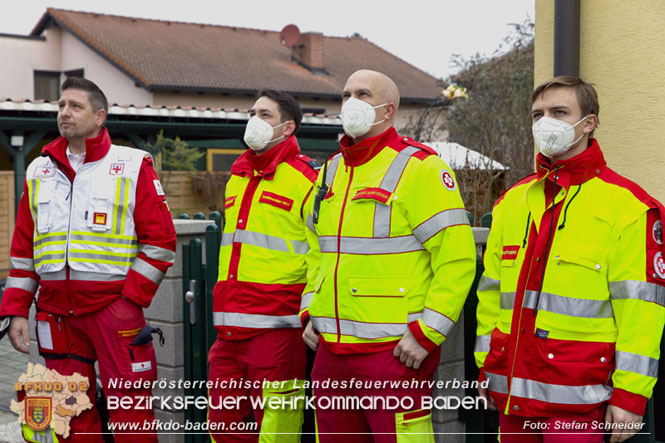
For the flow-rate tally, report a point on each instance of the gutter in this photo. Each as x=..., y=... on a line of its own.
x=567, y=37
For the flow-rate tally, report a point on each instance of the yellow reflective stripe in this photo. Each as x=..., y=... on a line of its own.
x=55, y=260
x=62, y=234
x=124, y=205
x=102, y=235
x=99, y=243
x=116, y=222
x=93, y=251
x=33, y=188
x=50, y=243
x=49, y=252
x=96, y=260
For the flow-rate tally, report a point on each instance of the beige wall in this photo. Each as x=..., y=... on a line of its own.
x=622, y=52
x=118, y=87
x=24, y=56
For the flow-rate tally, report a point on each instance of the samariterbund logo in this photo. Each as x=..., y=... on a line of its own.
x=373, y=194
x=38, y=412
x=276, y=200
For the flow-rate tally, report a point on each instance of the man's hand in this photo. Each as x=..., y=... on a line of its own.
x=311, y=336
x=19, y=328
x=630, y=423
x=409, y=351
x=491, y=404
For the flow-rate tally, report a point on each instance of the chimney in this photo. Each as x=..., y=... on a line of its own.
x=310, y=48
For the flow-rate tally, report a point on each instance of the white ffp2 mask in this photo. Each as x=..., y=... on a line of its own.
x=554, y=137
x=258, y=133
x=358, y=117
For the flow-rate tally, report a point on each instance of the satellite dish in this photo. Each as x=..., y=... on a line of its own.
x=289, y=35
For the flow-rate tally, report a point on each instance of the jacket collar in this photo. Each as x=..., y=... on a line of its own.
x=265, y=165
x=96, y=149
x=575, y=170
x=362, y=152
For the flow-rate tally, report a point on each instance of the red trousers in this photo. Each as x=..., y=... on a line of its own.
x=240, y=367
x=72, y=344
x=360, y=373
x=572, y=428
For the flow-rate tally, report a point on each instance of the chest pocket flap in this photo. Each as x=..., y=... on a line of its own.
x=45, y=196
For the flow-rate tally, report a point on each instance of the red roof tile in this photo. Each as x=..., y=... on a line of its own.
x=175, y=55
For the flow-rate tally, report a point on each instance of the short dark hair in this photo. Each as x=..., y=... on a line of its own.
x=286, y=104
x=96, y=96
x=587, y=97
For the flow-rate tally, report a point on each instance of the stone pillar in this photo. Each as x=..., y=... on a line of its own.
x=165, y=313
x=446, y=425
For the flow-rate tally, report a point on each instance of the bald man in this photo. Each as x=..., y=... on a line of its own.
x=391, y=261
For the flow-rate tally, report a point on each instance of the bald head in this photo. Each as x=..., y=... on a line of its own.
x=382, y=86
x=377, y=89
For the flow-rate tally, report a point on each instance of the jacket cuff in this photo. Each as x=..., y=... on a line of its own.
x=16, y=303
x=634, y=403
x=421, y=338
x=481, y=375
x=304, y=318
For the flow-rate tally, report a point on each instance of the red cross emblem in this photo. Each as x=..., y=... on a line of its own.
x=117, y=168
x=448, y=181
x=659, y=265
x=44, y=171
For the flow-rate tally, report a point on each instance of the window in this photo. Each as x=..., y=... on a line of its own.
x=222, y=159
x=47, y=85
x=78, y=73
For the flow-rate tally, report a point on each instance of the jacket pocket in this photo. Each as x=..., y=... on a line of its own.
x=377, y=299
x=50, y=335
x=45, y=196
x=576, y=362
x=99, y=214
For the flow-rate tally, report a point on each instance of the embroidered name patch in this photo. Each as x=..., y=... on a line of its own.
x=377, y=194
x=99, y=218
x=229, y=202
x=117, y=169
x=141, y=366
x=510, y=252
x=158, y=187
x=276, y=200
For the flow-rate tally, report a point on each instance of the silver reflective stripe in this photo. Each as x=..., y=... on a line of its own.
x=370, y=246
x=439, y=222
x=497, y=383
x=332, y=169
x=488, y=284
x=396, y=169
x=561, y=394
x=413, y=317
x=147, y=270
x=124, y=182
x=54, y=276
x=359, y=329
x=389, y=183
x=157, y=253
x=381, y=220
x=48, y=239
x=261, y=240
x=22, y=264
x=52, y=256
x=227, y=239
x=25, y=283
x=310, y=223
x=640, y=364
x=93, y=276
x=482, y=343
x=101, y=256
x=437, y=321
x=78, y=238
x=300, y=247
x=255, y=320
x=574, y=307
x=306, y=300
x=507, y=300
x=640, y=290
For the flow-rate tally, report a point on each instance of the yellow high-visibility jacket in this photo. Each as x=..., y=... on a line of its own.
x=262, y=265
x=392, y=247
x=586, y=330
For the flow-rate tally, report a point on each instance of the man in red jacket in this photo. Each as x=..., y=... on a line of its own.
x=95, y=235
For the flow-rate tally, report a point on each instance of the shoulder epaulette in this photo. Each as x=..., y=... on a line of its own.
x=411, y=142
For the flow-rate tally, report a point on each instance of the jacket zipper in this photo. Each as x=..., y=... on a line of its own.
x=339, y=243
x=69, y=234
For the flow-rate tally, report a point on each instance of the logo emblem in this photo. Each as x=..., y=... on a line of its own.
x=117, y=168
x=448, y=181
x=657, y=232
x=659, y=265
x=45, y=171
x=99, y=218
x=38, y=412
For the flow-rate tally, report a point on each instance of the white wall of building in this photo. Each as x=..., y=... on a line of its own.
x=25, y=56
